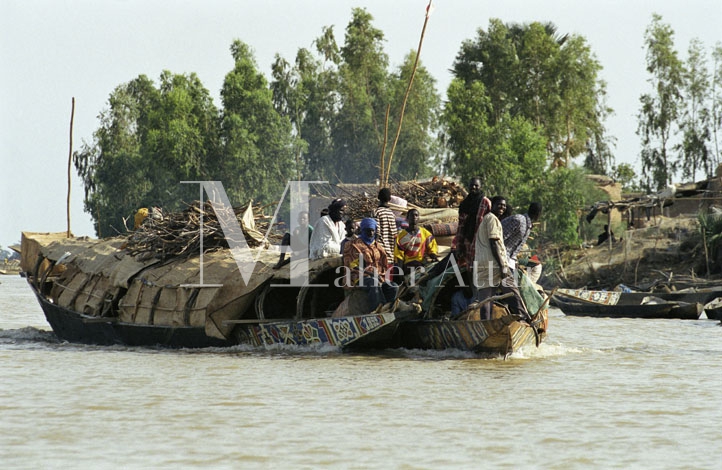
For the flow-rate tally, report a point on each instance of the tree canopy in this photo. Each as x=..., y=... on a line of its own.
x=525, y=102
x=345, y=103
x=531, y=72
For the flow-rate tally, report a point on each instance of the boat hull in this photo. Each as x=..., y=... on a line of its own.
x=372, y=331
x=502, y=336
x=667, y=310
x=77, y=328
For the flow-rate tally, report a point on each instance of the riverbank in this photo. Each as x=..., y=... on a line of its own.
x=670, y=252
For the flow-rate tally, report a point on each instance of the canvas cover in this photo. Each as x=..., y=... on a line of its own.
x=181, y=294
x=87, y=274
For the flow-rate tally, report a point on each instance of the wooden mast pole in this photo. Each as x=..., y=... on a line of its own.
x=429, y=9
x=70, y=160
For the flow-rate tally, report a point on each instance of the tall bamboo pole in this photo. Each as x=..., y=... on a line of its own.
x=70, y=159
x=429, y=9
x=382, y=166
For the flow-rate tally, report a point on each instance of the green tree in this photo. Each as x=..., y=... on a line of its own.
x=695, y=120
x=600, y=158
x=659, y=112
x=625, y=175
x=338, y=105
x=257, y=143
x=509, y=156
x=531, y=72
x=716, y=103
x=417, y=146
x=148, y=141
x=563, y=193
x=465, y=118
x=305, y=93
x=363, y=95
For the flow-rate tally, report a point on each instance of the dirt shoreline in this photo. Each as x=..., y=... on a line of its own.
x=670, y=253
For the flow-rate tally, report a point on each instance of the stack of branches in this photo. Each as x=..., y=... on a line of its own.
x=437, y=192
x=179, y=234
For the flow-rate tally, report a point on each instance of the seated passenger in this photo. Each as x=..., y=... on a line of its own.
x=604, y=236
x=414, y=245
x=350, y=233
x=366, y=260
x=462, y=298
x=328, y=232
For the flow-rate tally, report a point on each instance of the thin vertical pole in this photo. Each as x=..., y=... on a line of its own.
x=429, y=9
x=70, y=160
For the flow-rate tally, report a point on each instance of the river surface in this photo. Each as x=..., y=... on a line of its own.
x=599, y=393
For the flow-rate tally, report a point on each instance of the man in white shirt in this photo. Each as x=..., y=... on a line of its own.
x=328, y=232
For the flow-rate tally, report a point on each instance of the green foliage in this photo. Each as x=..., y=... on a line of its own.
x=416, y=146
x=522, y=97
x=338, y=105
x=625, y=175
x=529, y=72
x=716, y=104
x=563, y=193
x=149, y=140
x=152, y=138
x=694, y=150
x=710, y=228
x=257, y=156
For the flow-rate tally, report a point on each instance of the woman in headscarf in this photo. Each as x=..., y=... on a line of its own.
x=367, y=262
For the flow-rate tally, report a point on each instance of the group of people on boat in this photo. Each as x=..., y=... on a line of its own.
x=384, y=250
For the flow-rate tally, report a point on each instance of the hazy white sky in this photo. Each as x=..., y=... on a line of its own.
x=53, y=50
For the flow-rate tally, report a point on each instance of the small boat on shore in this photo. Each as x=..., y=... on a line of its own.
x=713, y=309
x=612, y=304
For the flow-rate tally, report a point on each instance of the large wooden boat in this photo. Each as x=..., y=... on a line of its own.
x=613, y=304
x=97, y=292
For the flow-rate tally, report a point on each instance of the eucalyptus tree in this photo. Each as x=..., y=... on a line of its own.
x=716, y=103
x=305, y=92
x=599, y=154
x=659, y=112
x=357, y=130
x=417, y=146
x=150, y=138
x=344, y=105
x=257, y=145
x=694, y=148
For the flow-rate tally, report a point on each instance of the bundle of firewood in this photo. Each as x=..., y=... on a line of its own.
x=179, y=234
x=436, y=192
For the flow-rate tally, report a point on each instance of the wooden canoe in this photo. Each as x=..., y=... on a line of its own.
x=622, y=305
